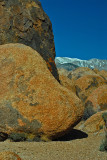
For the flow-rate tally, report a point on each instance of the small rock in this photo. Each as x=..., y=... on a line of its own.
x=7, y=155
x=94, y=124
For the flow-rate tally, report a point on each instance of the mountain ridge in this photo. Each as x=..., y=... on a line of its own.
x=73, y=63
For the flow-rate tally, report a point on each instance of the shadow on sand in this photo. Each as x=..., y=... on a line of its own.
x=74, y=134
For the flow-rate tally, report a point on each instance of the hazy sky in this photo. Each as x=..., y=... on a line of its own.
x=79, y=27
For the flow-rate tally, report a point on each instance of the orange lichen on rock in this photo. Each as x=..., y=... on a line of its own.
x=50, y=63
x=21, y=123
x=51, y=60
x=33, y=97
x=49, y=66
x=95, y=123
x=66, y=82
x=7, y=155
x=86, y=84
x=38, y=26
x=98, y=99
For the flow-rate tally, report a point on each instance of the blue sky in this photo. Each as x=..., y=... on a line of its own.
x=79, y=27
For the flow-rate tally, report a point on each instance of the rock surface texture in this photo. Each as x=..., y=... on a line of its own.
x=94, y=124
x=98, y=99
x=86, y=84
x=79, y=72
x=103, y=74
x=66, y=82
x=9, y=156
x=31, y=99
x=24, y=21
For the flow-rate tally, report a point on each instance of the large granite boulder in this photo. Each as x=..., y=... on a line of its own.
x=97, y=101
x=31, y=99
x=86, y=84
x=7, y=155
x=24, y=21
x=79, y=72
x=94, y=124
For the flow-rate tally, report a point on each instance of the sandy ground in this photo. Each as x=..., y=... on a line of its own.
x=78, y=149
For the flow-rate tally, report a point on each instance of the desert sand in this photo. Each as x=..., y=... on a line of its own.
x=77, y=149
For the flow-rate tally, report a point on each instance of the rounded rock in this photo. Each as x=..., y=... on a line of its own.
x=7, y=155
x=31, y=99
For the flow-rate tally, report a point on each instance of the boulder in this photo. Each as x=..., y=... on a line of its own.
x=63, y=71
x=79, y=72
x=66, y=82
x=103, y=74
x=94, y=124
x=24, y=21
x=7, y=155
x=86, y=84
x=31, y=99
x=98, y=99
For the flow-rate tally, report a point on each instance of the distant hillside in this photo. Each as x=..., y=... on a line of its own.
x=73, y=63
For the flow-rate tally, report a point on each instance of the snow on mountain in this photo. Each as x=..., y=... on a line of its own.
x=66, y=62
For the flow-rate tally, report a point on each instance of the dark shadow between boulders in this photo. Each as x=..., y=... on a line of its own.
x=3, y=136
x=74, y=134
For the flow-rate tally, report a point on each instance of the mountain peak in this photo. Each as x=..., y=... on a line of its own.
x=66, y=62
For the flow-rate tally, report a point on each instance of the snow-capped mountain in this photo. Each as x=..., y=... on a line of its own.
x=72, y=63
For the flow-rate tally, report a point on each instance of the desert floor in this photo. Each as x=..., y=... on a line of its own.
x=84, y=148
